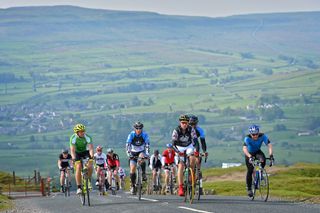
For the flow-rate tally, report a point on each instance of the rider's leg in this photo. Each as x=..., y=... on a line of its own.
x=166, y=176
x=250, y=169
x=90, y=169
x=97, y=175
x=133, y=174
x=61, y=178
x=78, y=174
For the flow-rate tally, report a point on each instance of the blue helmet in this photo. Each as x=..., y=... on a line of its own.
x=169, y=145
x=254, y=129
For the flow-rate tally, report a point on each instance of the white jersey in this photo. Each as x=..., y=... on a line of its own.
x=100, y=159
x=121, y=172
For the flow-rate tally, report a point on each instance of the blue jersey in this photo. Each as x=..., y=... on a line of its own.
x=137, y=143
x=200, y=132
x=255, y=145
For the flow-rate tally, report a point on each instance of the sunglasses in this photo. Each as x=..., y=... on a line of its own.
x=182, y=122
x=255, y=134
x=138, y=128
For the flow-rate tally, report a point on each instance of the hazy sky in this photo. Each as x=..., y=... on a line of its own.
x=211, y=8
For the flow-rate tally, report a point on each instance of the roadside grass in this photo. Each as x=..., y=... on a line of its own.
x=299, y=182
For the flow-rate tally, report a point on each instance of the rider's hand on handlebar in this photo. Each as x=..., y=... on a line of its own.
x=271, y=160
x=251, y=159
x=206, y=154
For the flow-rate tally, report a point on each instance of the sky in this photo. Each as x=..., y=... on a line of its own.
x=210, y=8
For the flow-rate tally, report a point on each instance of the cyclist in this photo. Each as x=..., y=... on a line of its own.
x=79, y=142
x=251, y=148
x=100, y=161
x=155, y=166
x=64, y=162
x=168, y=161
x=184, y=138
x=138, y=144
x=193, y=121
x=113, y=163
x=122, y=175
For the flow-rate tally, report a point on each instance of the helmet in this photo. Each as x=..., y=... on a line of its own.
x=193, y=120
x=156, y=152
x=109, y=150
x=79, y=127
x=184, y=118
x=138, y=125
x=99, y=148
x=65, y=151
x=254, y=129
x=169, y=145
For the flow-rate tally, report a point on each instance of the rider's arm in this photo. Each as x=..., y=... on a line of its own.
x=59, y=163
x=203, y=144
x=246, y=152
x=73, y=151
x=91, y=152
x=270, y=149
x=151, y=162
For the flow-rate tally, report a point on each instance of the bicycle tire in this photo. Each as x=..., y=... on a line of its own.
x=255, y=183
x=87, y=190
x=171, y=183
x=139, y=183
x=197, y=188
x=83, y=195
x=191, y=187
x=264, y=185
x=66, y=187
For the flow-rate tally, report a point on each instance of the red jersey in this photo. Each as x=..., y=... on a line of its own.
x=168, y=156
x=113, y=161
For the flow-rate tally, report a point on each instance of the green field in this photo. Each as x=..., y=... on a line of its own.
x=109, y=74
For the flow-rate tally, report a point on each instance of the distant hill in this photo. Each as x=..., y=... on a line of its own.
x=277, y=33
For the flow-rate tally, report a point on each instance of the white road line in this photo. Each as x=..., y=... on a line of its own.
x=148, y=199
x=195, y=210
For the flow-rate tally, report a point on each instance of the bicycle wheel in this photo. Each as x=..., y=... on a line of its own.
x=171, y=183
x=255, y=183
x=264, y=185
x=191, y=185
x=83, y=195
x=198, y=186
x=113, y=185
x=87, y=192
x=66, y=187
x=139, y=183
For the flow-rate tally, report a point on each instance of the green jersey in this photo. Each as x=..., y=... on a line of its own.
x=80, y=143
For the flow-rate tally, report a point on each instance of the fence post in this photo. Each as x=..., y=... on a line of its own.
x=35, y=177
x=48, y=185
x=39, y=177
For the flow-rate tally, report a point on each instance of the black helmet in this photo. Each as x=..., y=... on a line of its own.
x=184, y=118
x=65, y=151
x=193, y=120
x=156, y=152
x=138, y=125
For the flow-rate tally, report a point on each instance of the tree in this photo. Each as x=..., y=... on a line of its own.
x=272, y=113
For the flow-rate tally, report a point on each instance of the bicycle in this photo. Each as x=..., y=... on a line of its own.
x=139, y=175
x=113, y=186
x=198, y=186
x=189, y=180
x=66, y=181
x=171, y=179
x=85, y=181
x=260, y=180
x=102, y=177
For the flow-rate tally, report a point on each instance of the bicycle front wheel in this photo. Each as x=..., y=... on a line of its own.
x=190, y=185
x=198, y=187
x=264, y=185
x=139, y=183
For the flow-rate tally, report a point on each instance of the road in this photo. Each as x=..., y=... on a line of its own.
x=126, y=203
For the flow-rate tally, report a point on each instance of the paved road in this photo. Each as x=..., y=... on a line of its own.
x=125, y=203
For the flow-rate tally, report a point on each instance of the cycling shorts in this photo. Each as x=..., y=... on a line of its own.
x=189, y=151
x=84, y=154
x=136, y=154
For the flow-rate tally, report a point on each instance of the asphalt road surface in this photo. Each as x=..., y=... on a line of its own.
x=125, y=203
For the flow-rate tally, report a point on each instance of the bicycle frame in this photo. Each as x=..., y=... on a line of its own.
x=66, y=182
x=199, y=176
x=260, y=181
x=84, y=181
x=139, y=175
x=113, y=181
x=102, y=174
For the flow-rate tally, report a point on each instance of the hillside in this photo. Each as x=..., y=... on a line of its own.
x=62, y=65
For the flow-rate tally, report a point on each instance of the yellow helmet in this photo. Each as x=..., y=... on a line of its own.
x=79, y=127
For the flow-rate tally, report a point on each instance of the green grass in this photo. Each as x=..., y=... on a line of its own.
x=297, y=182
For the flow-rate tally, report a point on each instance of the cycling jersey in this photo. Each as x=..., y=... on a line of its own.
x=80, y=143
x=168, y=157
x=155, y=162
x=184, y=139
x=255, y=145
x=121, y=172
x=64, y=162
x=113, y=161
x=201, y=135
x=100, y=159
x=138, y=143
